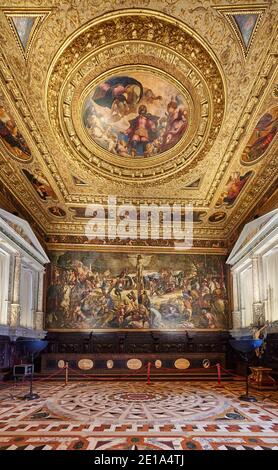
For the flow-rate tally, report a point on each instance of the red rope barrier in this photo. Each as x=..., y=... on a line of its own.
x=134, y=373
x=218, y=374
x=88, y=376
x=149, y=373
x=39, y=379
x=125, y=376
x=231, y=373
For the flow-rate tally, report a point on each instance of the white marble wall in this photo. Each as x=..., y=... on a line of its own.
x=255, y=274
x=22, y=270
x=21, y=287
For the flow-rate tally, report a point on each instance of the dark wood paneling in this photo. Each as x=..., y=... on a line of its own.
x=137, y=342
x=5, y=354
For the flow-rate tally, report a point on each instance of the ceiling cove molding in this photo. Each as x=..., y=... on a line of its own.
x=9, y=87
x=250, y=114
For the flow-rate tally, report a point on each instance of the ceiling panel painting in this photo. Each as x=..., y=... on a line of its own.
x=233, y=188
x=40, y=184
x=262, y=136
x=10, y=135
x=23, y=26
x=246, y=24
x=136, y=115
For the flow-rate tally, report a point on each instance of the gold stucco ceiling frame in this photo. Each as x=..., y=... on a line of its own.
x=152, y=166
x=157, y=30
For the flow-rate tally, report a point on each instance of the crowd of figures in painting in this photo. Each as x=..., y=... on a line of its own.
x=129, y=291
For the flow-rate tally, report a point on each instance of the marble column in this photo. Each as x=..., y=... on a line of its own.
x=39, y=311
x=258, y=310
x=236, y=313
x=15, y=305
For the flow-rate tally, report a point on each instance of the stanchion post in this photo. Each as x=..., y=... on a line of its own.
x=218, y=374
x=66, y=373
x=149, y=373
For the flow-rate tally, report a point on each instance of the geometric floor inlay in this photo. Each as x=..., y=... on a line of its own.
x=176, y=415
x=135, y=402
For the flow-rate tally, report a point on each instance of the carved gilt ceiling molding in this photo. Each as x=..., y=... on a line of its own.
x=226, y=95
x=121, y=43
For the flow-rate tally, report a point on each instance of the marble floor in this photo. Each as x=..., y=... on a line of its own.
x=112, y=415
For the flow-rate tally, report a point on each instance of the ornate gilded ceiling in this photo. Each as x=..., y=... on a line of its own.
x=153, y=102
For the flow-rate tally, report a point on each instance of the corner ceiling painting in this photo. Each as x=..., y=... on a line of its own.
x=23, y=26
x=157, y=103
x=246, y=24
x=137, y=115
x=105, y=291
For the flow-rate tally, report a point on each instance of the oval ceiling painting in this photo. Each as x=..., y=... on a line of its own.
x=136, y=115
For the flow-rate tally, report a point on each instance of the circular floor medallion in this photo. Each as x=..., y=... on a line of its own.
x=136, y=397
x=133, y=402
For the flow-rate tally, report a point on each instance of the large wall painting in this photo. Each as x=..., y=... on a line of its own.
x=136, y=115
x=262, y=136
x=104, y=291
x=10, y=135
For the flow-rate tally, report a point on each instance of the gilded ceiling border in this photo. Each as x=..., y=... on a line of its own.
x=261, y=83
x=178, y=39
x=135, y=248
x=248, y=116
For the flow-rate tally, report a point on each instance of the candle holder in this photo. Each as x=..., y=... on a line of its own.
x=245, y=346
